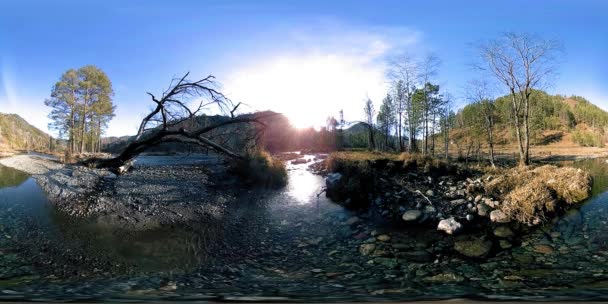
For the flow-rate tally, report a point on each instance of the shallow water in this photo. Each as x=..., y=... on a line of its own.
x=291, y=244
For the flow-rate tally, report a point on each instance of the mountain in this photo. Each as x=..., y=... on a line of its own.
x=17, y=134
x=554, y=120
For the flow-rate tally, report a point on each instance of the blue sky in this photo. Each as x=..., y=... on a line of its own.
x=307, y=59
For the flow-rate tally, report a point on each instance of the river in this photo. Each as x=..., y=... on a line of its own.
x=289, y=244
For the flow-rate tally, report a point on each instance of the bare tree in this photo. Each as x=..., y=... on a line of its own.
x=522, y=62
x=428, y=69
x=165, y=123
x=370, y=113
x=404, y=72
x=479, y=93
x=446, y=123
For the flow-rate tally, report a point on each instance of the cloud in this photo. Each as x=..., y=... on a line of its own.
x=327, y=67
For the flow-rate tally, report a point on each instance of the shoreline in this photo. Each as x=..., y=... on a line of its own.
x=149, y=197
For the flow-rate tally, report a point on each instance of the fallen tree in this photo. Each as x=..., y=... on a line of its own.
x=166, y=123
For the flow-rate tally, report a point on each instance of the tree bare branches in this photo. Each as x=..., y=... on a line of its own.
x=521, y=62
x=170, y=117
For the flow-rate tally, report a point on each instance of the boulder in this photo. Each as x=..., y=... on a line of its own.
x=473, y=248
x=457, y=202
x=498, y=216
x=367, y=249
x=411, y=215
x=450, y=226
x=483, y=209
x=503, y=232
x=444, y=278
x=332, y=180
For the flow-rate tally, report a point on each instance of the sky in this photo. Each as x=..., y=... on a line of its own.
x=306, y=59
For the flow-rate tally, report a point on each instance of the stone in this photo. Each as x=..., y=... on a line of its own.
x=544, y=249
x=457, y=202
x=430, y=192
x=503, y=232
x=470, y=217
x=504, y=244
x=384, y=238
x=498, y=216
x=478, y=198
x=387, y=262
x=476, y=248
x=418, y=256
x=444, y=278
x=449, y=226
x=483, y=209
x=411, y=215
x=352, y=220
x=367, y=249
x=333, y=179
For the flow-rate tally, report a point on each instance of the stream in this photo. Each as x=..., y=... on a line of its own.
x=291, y=244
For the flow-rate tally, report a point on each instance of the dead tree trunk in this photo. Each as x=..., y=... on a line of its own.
x=165, y=123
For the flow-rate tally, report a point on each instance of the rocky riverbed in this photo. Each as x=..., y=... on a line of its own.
x=150, y=196
x=294, y=244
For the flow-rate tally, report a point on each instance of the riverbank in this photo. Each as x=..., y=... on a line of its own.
x=157, y=193
x=292, y=244
x=489, y=205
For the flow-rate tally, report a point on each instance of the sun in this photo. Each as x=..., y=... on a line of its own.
x=308, y=88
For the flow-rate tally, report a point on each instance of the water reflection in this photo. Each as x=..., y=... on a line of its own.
x=10, y=177
x=27, y=215
x=303, y=186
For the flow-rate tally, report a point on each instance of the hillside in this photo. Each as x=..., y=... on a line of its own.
x=17, y=134
x=555, y=121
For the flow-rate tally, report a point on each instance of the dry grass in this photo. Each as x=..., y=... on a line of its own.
x=260, y=169
x=529, y=193
x=363, y=161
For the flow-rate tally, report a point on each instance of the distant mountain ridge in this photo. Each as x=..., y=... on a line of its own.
x=17, y=134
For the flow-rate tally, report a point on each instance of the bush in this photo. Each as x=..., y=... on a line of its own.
x=260, y=169
x=528, y=194
x=588, y=139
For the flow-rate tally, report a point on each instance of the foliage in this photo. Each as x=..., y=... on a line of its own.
x=547, y=113
x=588, y=139
x=261, y=169
x=81, y=103
x=18, y=134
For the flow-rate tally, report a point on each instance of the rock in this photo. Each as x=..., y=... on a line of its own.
x=333, y=179
x=430, y=192
x=450, y=226
x=483, y=209
x=351, y=221
x=367, y=249
x=419, y=256
x=387, y=262
x=478, y=198
x=503, y=232
x=498, y=216
x=444, y=278
x=457, y=202
x=470, y=217
x=544, y=249
x=171, y=286
x=504, y=244
x=411, y=215
x=428, y=209
x=473, y=248
x=384, y=238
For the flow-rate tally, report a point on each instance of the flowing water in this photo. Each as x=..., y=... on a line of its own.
x=290, y=244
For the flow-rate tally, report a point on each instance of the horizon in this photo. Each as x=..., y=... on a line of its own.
x=306, y=60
